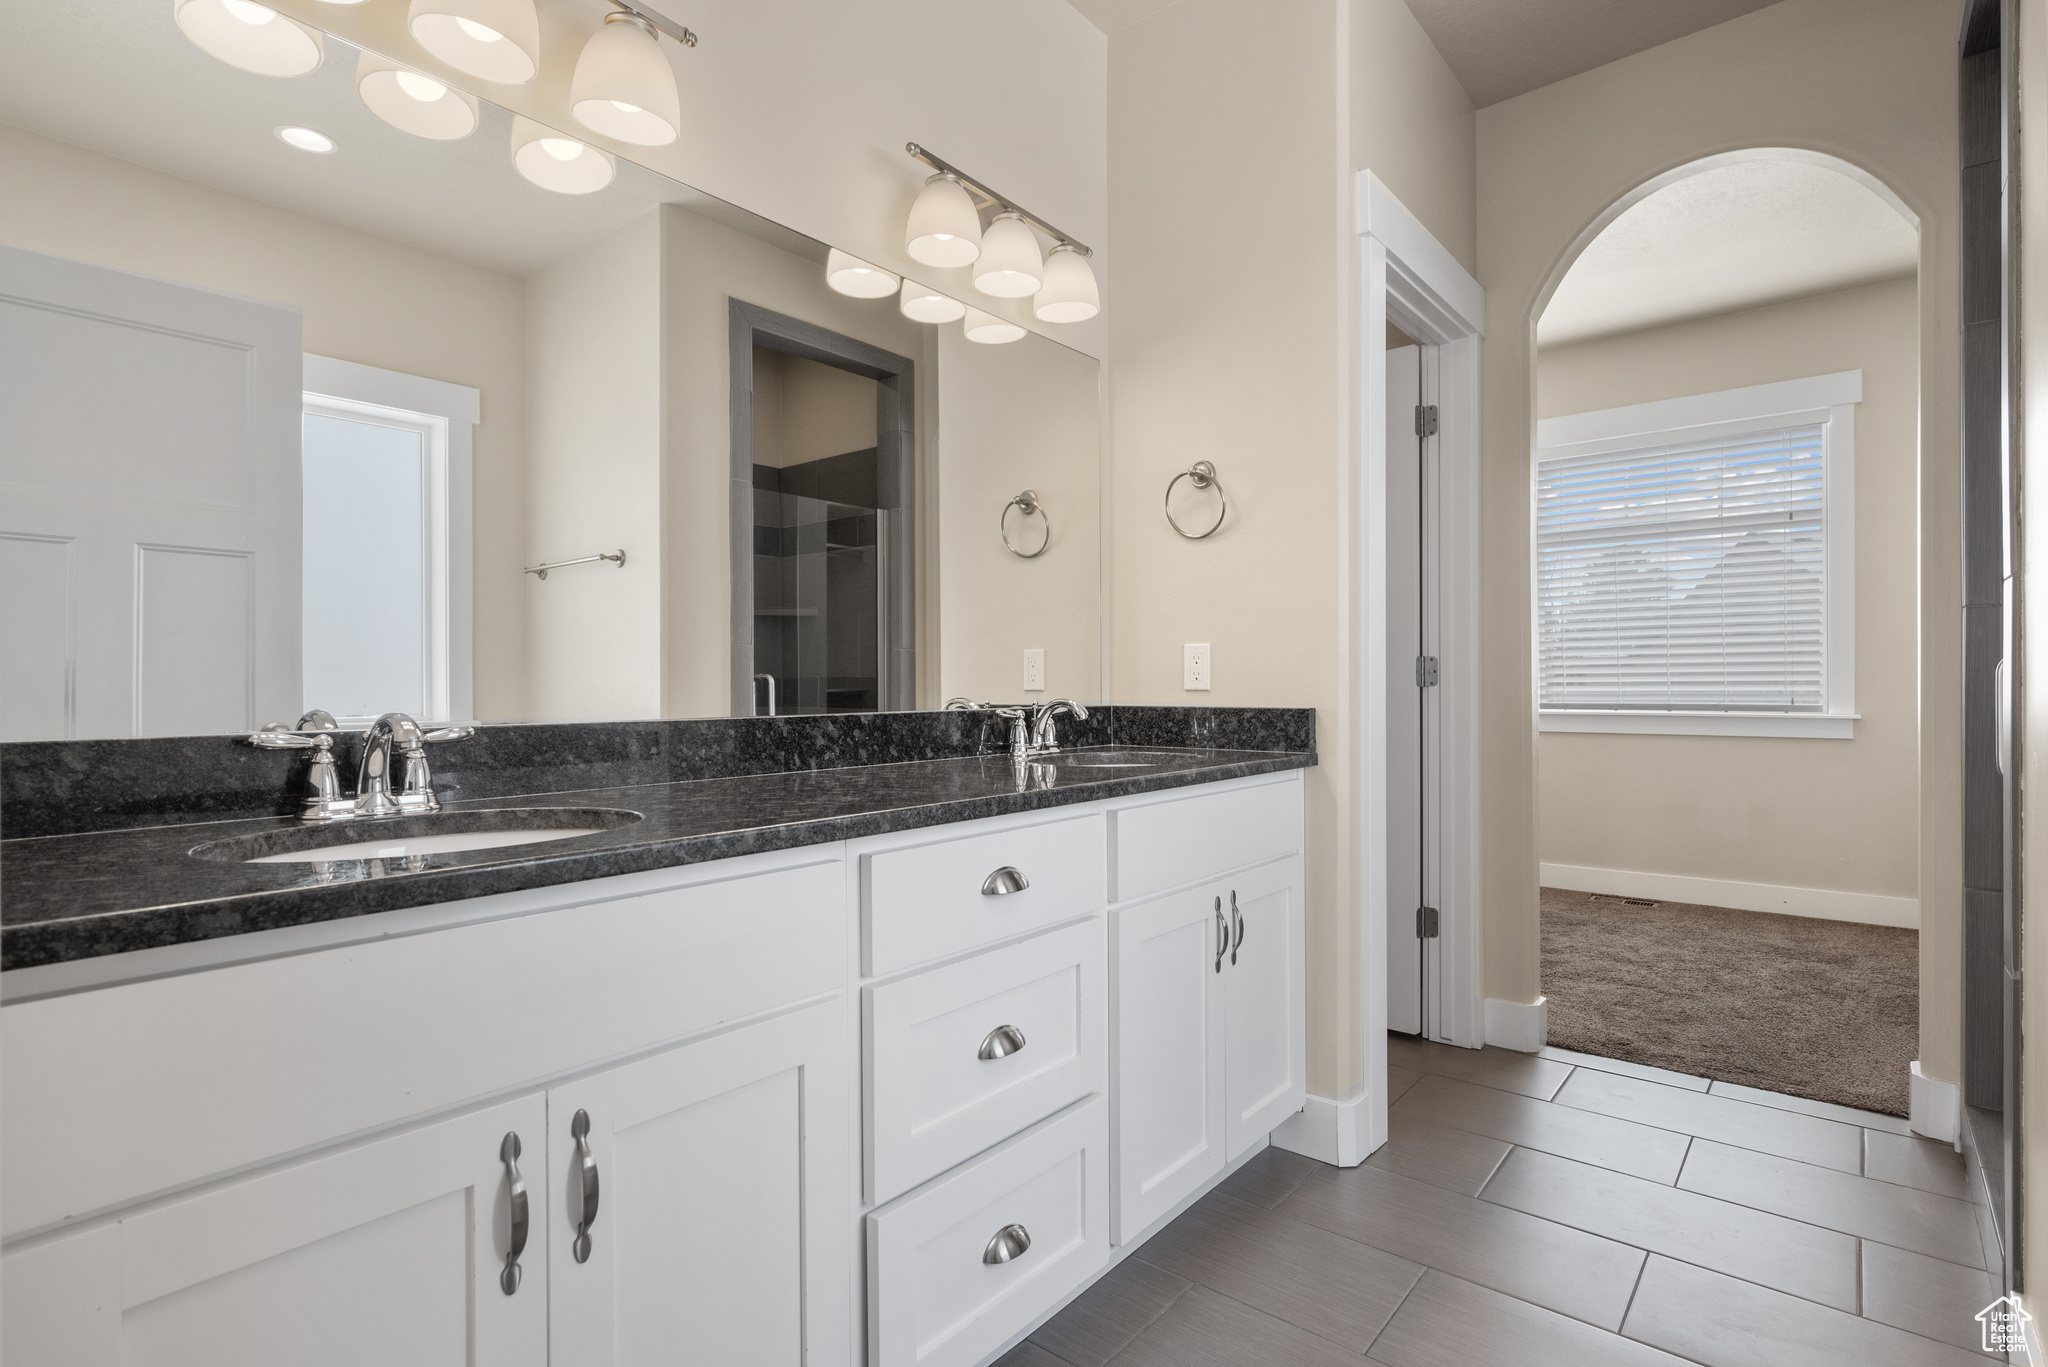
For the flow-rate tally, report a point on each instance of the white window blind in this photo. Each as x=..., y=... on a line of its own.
x=1685, y=577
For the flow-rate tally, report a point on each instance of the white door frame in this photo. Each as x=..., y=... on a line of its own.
x=1406, y=276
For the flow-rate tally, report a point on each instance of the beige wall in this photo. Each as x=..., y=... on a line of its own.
x=1015, y=417
x=1231, y=194
x=807, y=410
x=594, y=472
x=2030, y=706
x=365, y=299
x=705, y=267
x=1836, y=814
x=1870, y=81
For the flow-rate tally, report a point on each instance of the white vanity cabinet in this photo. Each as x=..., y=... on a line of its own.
x=887, y=1103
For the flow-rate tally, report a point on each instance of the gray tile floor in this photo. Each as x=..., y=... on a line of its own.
x=1531, y=1210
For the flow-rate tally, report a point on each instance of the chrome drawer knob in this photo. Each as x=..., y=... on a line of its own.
x=1004, y=881
x=1002, y=1041
x=1011, y=1241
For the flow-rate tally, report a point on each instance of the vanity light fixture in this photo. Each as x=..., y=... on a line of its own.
x=553, y=162
x=989, y=329
x=494, y=40
x=1068, y=294
x=624, y=87
x=413, y=102
x=944, y=229
x=250, y=36
x=305, y=139
x=923, y=304
x=1006, y=260
x=1009, y=266
x=851, y=275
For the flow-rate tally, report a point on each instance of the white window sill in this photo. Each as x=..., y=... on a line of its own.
x=1809, y=725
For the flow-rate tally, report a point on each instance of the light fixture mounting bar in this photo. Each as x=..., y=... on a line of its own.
x=675, y=31
x=945, y=167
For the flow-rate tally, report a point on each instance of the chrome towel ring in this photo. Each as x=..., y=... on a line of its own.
x=1026, y=503
x=1204, y=476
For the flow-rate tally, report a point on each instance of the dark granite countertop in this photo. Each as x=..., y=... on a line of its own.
x=91, y=893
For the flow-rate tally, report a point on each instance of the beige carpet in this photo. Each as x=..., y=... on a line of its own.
x=1828, y=1010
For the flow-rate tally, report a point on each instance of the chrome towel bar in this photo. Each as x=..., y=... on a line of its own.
x=542, y=570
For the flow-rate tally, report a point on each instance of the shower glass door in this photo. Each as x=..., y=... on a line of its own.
x=818, y=578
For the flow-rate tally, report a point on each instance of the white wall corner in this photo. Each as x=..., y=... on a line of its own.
x=1522, y=1026
x=1934, y=1108
x=1326, y=1130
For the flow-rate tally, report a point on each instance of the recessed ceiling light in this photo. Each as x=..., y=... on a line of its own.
x=305, y=139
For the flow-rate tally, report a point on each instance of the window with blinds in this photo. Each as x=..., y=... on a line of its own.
x=1686, y=577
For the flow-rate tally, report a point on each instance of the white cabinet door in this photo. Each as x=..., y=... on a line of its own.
x=1264, y=1002
x=722, y=1182
x=389, y=1252
x=1168, y=1065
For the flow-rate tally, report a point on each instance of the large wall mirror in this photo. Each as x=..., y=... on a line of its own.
x=494, y=426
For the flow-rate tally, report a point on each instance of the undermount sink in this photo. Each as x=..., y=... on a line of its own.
x=410, y=837
x=1115, y=759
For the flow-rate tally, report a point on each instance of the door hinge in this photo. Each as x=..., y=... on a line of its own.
x=1425, y=923
x=1425, y=671
x=1425, y=420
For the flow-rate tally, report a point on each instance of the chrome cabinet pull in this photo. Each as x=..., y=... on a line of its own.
x=1002, y=1041
x=586, y=1166
x=508, y=1154
x=1004, y=881
x=1222, y=935
x=1237, y=917
x=1011, y=1241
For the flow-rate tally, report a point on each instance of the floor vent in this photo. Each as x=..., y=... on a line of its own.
x=1625, y=901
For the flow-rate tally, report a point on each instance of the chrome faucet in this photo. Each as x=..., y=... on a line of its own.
x=323, y=799
x=1043, y=740
x=394, y=731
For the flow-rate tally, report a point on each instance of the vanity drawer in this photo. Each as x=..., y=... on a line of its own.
x=934, y=1299
x=934, y=1098
x=1184, y=840
x=922, y=902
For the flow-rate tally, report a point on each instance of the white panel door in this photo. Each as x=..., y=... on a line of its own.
x=389, y=1252
x=1168, y=1061
x=1265, y=1022
x=1404, y=891
x=719, y=1231
x=151, y=431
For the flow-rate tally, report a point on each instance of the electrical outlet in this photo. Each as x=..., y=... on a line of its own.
x=1034, y=671
x=1194, y=670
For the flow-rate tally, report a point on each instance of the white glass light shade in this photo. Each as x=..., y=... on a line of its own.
x=851, y=275
x=624, y=87
x=253, y=37
x=497, y=40
x=923, y=304
x=1068, y=294
x=412, y=102
x=944, y=228
x=556, y=163
x=986, y=327
x=1009, y=266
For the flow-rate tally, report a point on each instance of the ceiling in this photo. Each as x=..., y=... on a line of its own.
x=117, y=76
x=1734, y=237
x=1503, y=48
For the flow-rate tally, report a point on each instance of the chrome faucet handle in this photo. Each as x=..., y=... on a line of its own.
x=448, y=733
x=1020, y=727
x=319, y=719
x=416, y=789
x=323, y=800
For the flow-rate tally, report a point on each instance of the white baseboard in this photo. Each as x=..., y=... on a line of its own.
x=1328, y=1131
x=1523, y=1026
x=1934, y=1108
x=1827, y=904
